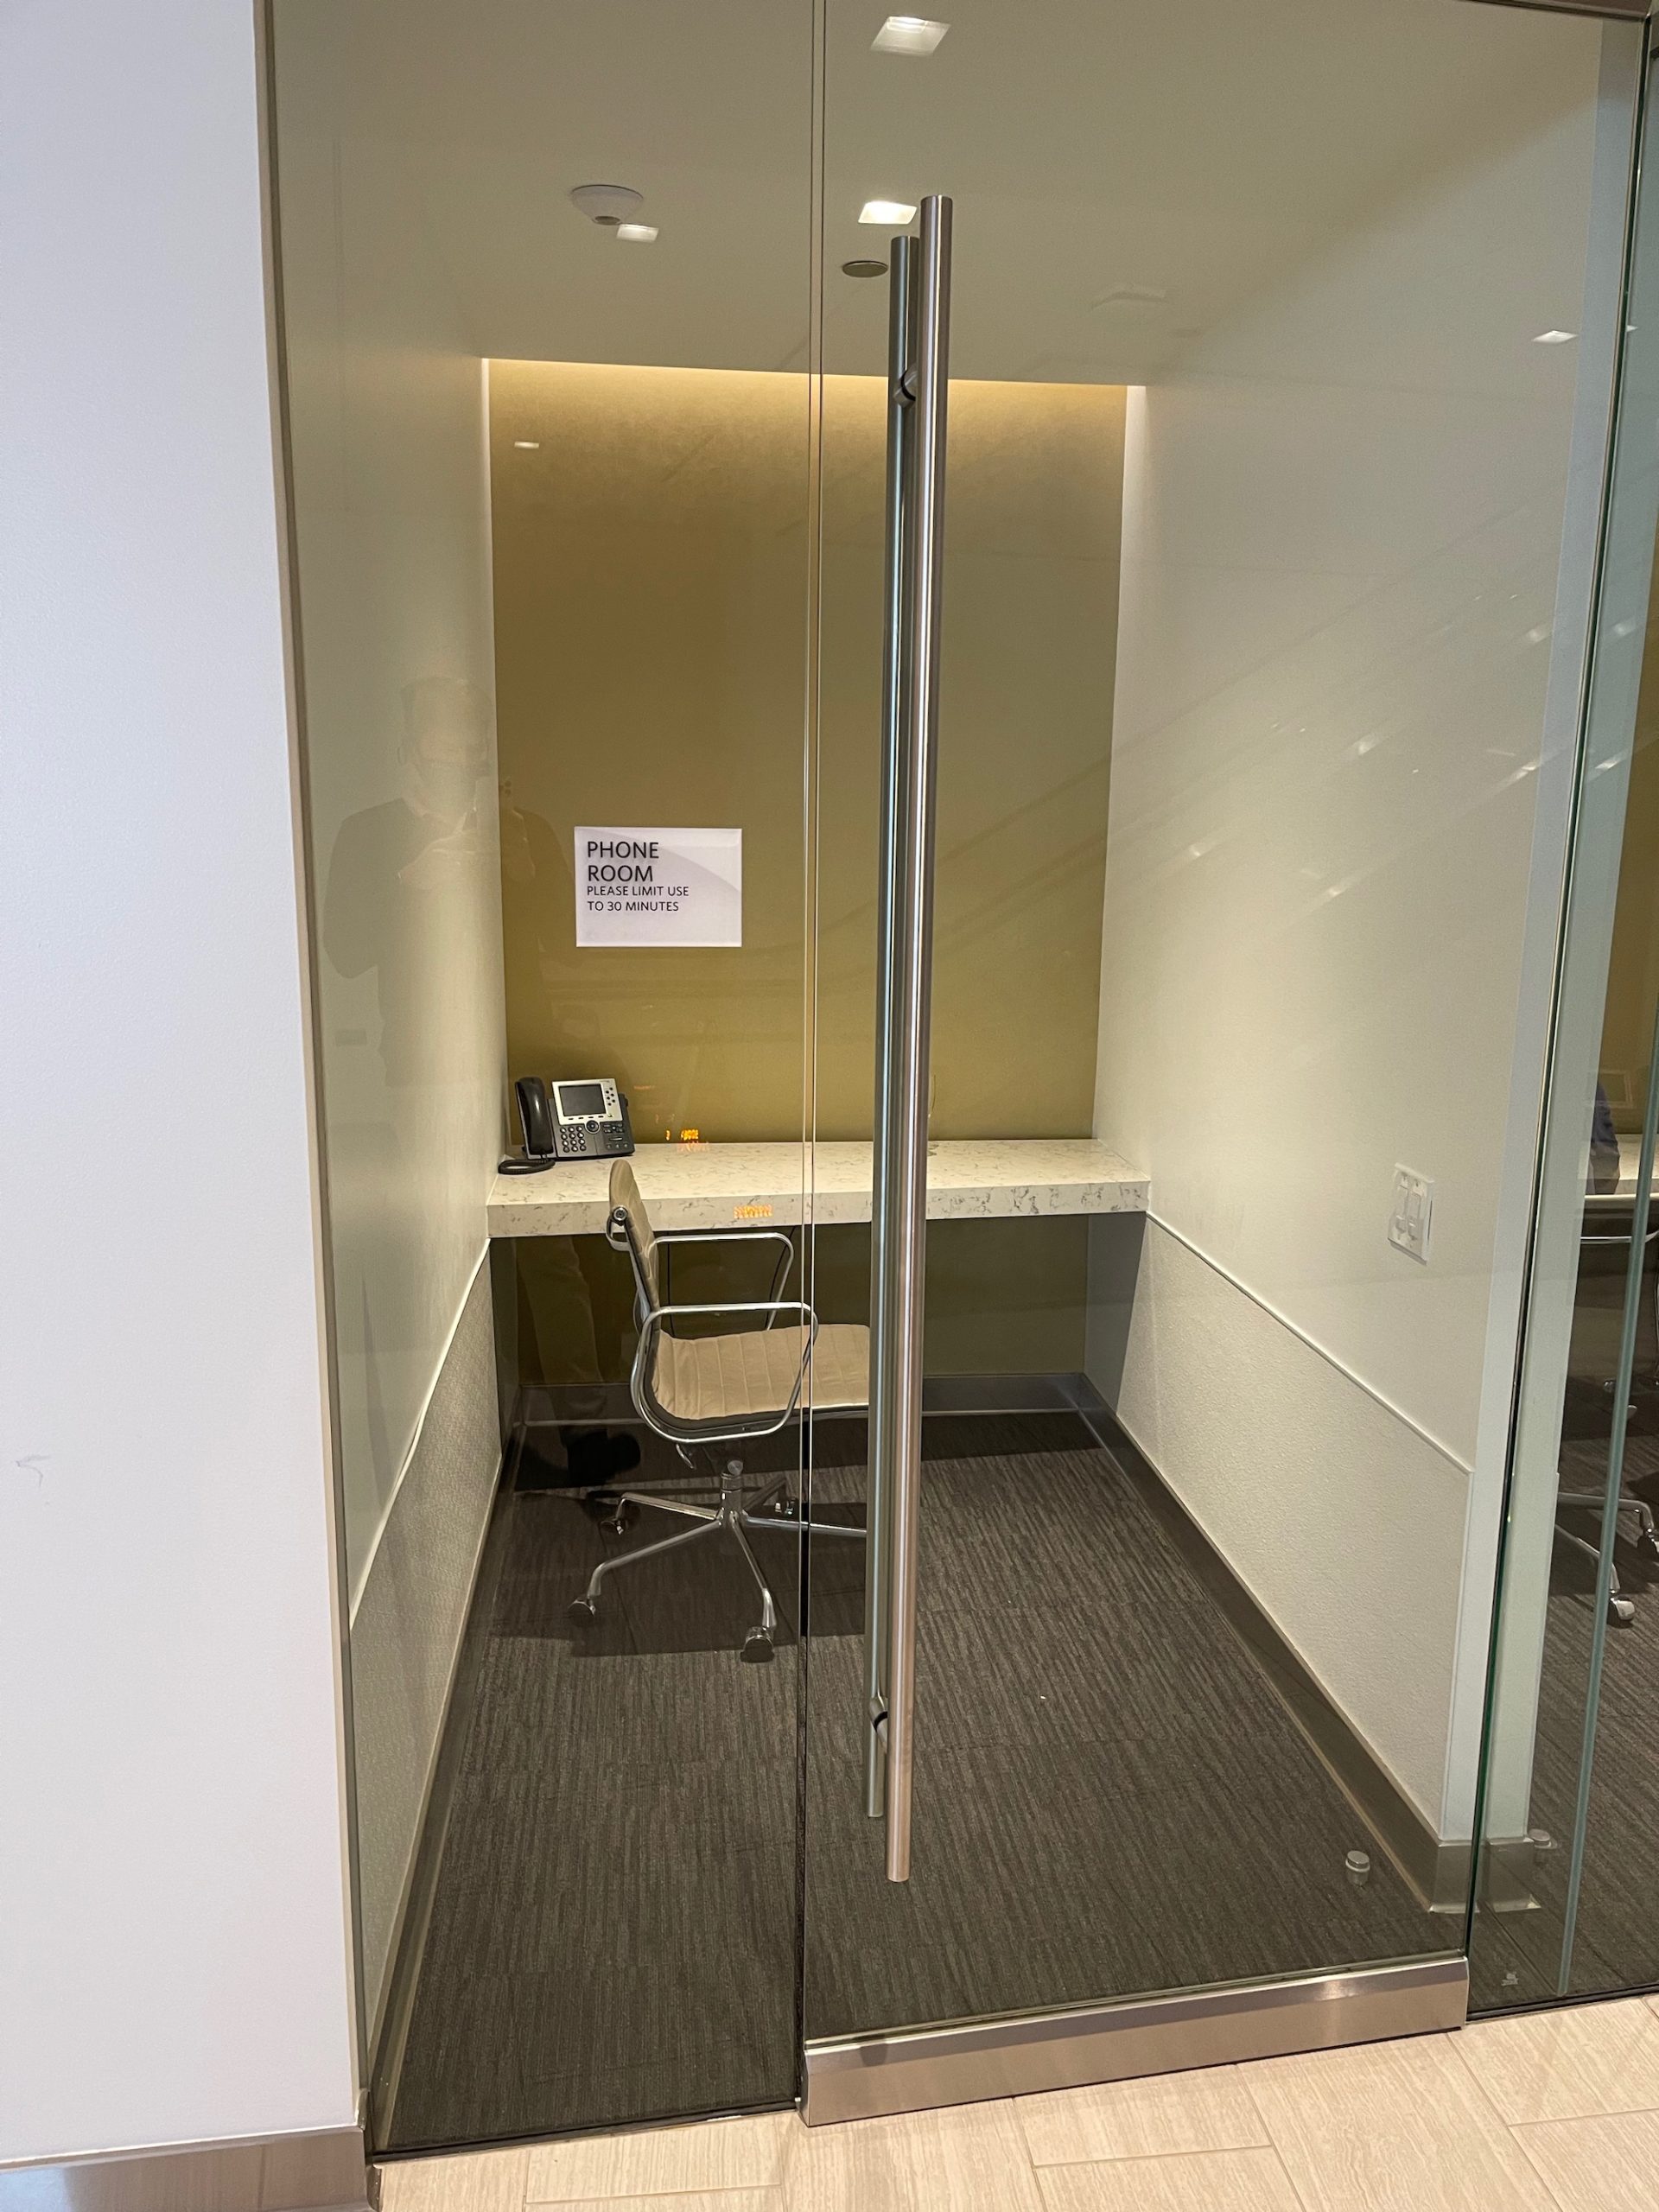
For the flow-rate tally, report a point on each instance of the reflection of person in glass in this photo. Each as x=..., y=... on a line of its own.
x=536, y=905
x=397, y=867
x=1604, y=1147
x=401, y=877
x=555, y=1309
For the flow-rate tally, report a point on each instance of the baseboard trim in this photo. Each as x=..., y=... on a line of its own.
x=413, y=1924
x=1437, y=1872
x=393, y=1680
x=322, y=2171
x=866, y=2077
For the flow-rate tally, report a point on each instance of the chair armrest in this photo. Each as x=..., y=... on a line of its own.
x=780, y=1271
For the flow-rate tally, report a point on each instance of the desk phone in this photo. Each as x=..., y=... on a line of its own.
x=583, y=1119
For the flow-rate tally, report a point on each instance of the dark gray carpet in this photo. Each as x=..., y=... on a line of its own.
x=1110, y=1799
x=1515, y=1957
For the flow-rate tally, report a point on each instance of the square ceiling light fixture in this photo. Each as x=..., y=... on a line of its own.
x=888, y=210
x=908, y=35
x=637, y=233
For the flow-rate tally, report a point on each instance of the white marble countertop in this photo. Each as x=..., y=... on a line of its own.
x=714, y=1186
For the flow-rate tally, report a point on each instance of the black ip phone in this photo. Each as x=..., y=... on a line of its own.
x=585, y=1119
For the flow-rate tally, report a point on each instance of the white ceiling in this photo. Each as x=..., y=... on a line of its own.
x=1202, y=149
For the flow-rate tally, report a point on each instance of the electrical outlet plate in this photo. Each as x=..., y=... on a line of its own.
x=1412, y=1215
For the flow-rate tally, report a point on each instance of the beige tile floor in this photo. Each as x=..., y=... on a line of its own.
x=1557, y=2112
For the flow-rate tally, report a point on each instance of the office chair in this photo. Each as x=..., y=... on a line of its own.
x=1601, y=1209
x=701, y=1392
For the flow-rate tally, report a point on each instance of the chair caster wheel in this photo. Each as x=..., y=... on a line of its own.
x=757, y=1647
x=1621, y=1611
x=584, y=1612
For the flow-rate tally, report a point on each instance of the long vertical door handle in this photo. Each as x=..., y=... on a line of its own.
x=884, y=1323
x=900, y=1237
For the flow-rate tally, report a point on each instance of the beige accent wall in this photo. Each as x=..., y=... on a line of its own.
x=651, y=536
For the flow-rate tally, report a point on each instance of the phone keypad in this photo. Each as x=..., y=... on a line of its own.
x=592, y=1139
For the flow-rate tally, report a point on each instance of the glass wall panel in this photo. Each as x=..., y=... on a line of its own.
x=1278, y=418
x=1571, y=1788
x=546, y=297
x=1264, y=573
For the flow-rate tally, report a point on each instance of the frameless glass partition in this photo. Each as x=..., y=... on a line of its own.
x=1571, y=1804
x=546, y=306
x=1237, y=589
x=1071, y=534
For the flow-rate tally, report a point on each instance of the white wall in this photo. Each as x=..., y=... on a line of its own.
x=1343, y=521
x=172, y=1918
x=387, y=419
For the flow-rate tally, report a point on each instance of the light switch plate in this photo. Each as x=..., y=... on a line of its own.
x=1412, y=1216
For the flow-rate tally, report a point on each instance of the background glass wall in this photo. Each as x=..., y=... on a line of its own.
x=1570, y=1823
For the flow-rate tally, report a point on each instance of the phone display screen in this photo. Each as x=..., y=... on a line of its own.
x=578, y=1099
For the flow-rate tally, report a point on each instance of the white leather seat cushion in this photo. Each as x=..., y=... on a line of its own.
x=727, y=1378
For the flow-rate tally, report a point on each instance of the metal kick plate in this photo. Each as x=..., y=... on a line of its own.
x=862, y=2078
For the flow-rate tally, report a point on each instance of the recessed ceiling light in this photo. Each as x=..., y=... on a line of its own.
x=606, y=204
x=888, y=210
x=527, y=445
x=1554, y=337
x=908, y=35
x=863, y=268
x=637, y=233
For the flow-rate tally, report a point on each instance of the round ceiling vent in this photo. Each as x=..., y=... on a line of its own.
x=609, y=204
x=863, y=268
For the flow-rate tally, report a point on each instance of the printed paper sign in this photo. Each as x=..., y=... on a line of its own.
x=659, y=887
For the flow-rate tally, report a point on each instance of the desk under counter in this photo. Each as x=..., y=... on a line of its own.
x=715, y=1186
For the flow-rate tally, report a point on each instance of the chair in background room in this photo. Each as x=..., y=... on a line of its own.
x=1609, y=1225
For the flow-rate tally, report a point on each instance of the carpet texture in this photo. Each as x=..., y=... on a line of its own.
x=1110, y=1799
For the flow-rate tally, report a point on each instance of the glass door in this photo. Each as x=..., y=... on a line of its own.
x=1212, y=418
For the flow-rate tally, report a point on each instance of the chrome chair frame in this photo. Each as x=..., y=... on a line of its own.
x=1599, y=1204
x=735, y=1512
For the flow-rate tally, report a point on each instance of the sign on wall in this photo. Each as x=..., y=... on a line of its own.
x=659, y=887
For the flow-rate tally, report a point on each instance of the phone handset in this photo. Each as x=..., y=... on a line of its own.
x=535, y=1116
x=535, y=1122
